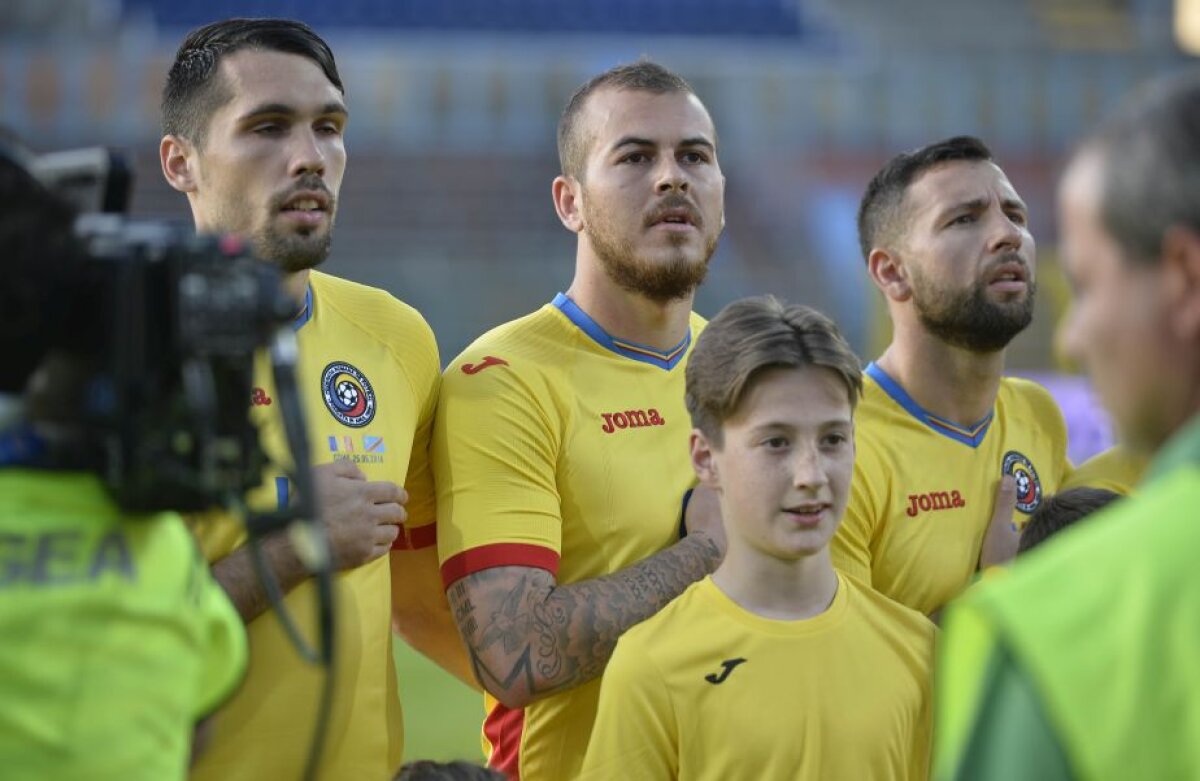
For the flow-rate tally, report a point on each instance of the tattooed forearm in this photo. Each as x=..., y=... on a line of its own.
x=529, y=637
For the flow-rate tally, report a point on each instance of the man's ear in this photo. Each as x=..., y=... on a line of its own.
x=568, y=201
x=1181, y=269
x=703, y=461
x=178, y=159
x=889, y=274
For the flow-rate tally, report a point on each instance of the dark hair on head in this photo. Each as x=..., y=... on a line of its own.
x=428, y=770
x=194, y=89
x=1057, y=512
x=1151, y=165
x=640, y=76
x=752, y=335
x=880, y=210
x=40, y=267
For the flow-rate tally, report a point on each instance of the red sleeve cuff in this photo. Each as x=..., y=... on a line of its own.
x=500, y=554
x=420, y=537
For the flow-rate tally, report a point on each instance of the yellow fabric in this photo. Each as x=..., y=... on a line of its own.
x=116, y=638
x=1116, y=469
x=265, y=731
x=921, y=501
x=843, y=695
x=524, y=455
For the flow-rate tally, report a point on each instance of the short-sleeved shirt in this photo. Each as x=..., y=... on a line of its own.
x=368, y=373
x=924, y=488
x=559, y=447
x=1116, y=469
x=116, y=638
x=706, y=690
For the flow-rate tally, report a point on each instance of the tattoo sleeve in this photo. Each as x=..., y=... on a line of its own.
x=529, y=637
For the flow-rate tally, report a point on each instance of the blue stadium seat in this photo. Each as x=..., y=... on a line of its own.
x=774, y=18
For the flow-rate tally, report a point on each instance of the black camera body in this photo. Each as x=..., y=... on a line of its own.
x=155, y=332
x=181, y=318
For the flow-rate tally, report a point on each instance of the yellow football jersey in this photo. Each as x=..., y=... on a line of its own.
x=708, y=690
x=558, y=447
x=924, y=488
x=1116, y=469
x=368, y=374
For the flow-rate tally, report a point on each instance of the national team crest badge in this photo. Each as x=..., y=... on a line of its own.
x=348, y=394
x=1029, y=485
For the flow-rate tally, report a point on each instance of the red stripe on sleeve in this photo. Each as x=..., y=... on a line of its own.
x=420, y=537
x=500, y=554
x=502, y=728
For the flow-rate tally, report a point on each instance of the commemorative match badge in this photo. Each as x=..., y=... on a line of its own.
x=1029, y=486
x=348, y=394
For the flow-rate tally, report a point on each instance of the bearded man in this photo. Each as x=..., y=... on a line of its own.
x=952, y=456
x=560, y=450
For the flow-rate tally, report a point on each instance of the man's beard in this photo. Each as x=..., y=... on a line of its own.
x=662, y=282
x=968, y=319
x=299, y=249
x=293, y=252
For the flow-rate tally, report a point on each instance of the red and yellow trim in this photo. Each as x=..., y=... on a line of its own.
x=499, y=554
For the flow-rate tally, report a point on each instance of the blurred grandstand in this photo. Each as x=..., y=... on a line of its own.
x=454, y=106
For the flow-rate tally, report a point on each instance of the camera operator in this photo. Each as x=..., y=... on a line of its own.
x=116, y=639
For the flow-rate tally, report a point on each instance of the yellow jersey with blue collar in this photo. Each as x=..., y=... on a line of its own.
x=368, y=372
x=559, y=447
x=924, y=488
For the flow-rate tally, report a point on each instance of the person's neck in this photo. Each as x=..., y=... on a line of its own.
x=295, y=285
x=784, y=590
x=626, y=315
x=951, y=382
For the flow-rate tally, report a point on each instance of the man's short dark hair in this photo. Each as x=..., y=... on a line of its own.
x=640, y=76
x=458, y=770
x=1151, y=165
x=1057, y=512
x=881, y=209
x=194, y=88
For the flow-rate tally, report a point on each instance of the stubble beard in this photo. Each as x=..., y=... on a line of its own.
x=292, y=252
x=660, y=281
x=299, y=249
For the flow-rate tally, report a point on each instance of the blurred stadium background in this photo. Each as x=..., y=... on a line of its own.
x=451, y=143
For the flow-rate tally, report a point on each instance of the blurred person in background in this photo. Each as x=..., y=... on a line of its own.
x=1082, y=662
x=254, y=116
x=560, y=451
x=458, y=770
x=117, y=641
x=1118, y=469
x=1064, y=509
x=949, y=449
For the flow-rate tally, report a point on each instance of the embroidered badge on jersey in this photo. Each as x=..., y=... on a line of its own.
x=348, y=394
x=1029, y=486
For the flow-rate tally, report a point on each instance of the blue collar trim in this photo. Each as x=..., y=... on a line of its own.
x=969, y=435
x=305, y=313
x=663, y=359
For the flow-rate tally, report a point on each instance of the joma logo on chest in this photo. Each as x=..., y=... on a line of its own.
x=630, y=418
x=934, y=500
